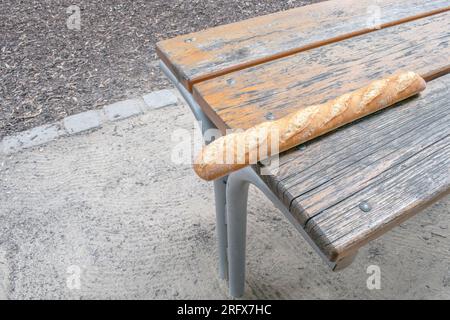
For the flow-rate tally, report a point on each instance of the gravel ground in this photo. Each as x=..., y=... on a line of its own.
x=48, y=71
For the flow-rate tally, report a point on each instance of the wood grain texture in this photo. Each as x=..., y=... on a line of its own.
x=202, y=55
x=236, y=150
x=242, y=99
x=397, y=160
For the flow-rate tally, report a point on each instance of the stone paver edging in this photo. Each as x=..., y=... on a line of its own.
x=89, y=120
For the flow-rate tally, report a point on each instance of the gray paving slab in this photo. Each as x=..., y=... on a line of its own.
x=161, y=98
x=83, y=121
x=31, y=138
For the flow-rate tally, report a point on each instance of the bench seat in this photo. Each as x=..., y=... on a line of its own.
x=203, y=55
x=351, y=185
x=242, y=99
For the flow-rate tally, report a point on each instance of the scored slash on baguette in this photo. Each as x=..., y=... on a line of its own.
x=240, y=149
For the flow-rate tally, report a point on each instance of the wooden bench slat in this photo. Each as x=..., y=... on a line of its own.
x=342, y=229
x=205, y=54
x=313, y=186
x=367, y=165
x=398, y=160
x=242, y=99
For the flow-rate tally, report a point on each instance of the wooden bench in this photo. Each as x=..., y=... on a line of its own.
x=348, y=187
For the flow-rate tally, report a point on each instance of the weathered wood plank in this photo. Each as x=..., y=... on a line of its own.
x=344, y=228
x=242, y=99
x=327, y=157
x=202, y=55
x=397, y=160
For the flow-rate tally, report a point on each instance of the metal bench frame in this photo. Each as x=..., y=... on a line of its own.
x=231, y=195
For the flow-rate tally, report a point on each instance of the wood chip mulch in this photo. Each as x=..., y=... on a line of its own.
x=48, y=71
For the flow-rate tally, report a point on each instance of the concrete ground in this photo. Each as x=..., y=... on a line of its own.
x=106, y=214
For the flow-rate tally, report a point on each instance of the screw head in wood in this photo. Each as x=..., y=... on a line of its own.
x=269, y=116
x=365, y=206
x=231, y=82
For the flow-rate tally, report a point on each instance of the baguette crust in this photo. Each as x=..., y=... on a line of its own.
x=240, y=149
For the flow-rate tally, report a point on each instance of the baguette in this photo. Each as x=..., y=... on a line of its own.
x=239, y=149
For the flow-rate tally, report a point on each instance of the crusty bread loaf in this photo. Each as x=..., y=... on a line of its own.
x=239, y=149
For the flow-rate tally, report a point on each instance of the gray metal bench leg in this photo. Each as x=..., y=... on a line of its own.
x=237, y=194
x=232, y=217
x=219, y=185
x=221, y=225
